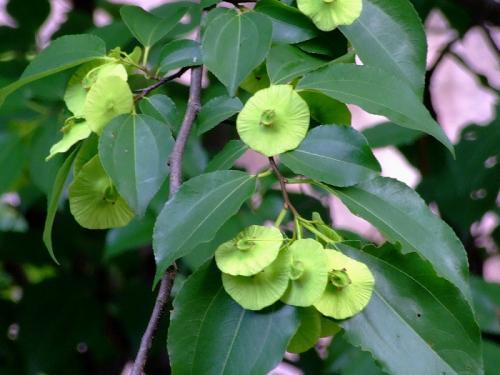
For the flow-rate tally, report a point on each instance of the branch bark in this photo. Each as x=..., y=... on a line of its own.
x=193, y=107
x=282, y=180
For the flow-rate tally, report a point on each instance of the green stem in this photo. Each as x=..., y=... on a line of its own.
x=313, y=230
x=145, y=56
x=266, y=173
x=298, y=228
x=291, y=181
x=281, y=217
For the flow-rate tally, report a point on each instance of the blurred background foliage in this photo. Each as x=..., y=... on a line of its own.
x=87, y=315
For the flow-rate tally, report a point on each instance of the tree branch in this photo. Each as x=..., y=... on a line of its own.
x=192, y=110
x=145, y=91
x=283, y=181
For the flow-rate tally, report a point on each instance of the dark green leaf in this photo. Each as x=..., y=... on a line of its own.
x=491, y=353
x=211, y=334
x=162, y=108
x=376, y=92
x=179, y=54
x=193, y=216
x=285, y=63
x=326, y=110
x=216, y=111
x=134, y=150
x=487, y=304
x=289, y=25
x=337, y=155
x=148, y=28
x=136, y=234
x=404, y=218
x=416, y=322
x=13, y=154
x=234, y=44
x=53, y=201
x=389, y=134
x=390, y=36
x=63, y=53
x=226, y=158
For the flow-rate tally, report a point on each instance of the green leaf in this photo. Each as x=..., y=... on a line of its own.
x=63, y=53
x=211, y=334
x=390, y=36
x=53, y=202
x=162, y=108
x=404, y=218
x=337, y=155
x=416, y=322
x=389, y=134
x=134, y=151
x=326, y=110
x=216, y=111
x=148, y=28
x=179, y=54
x=136, y=234
x=13, y=156
x=285, y=63
x=234, y=44
x=195, y=214
x=226, y=158
x=289, y=24
x=487, y=304
x=491, y=353
x=376, y=92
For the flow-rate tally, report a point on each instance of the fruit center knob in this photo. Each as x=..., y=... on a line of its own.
x=267, y=117
x=297, y=270
x=339, y=278
x=245, y=244
x=328, y=1
x=110, y=194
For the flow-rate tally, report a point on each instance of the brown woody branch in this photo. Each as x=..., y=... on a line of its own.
x=176, y=157
x=145, y=91
x=282, y=180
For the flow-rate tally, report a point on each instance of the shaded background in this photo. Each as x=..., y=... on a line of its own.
x=87, y=315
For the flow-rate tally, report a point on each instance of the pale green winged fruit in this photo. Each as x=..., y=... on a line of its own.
x=263, y=289
x=73, y=132
x=108, y=97
x=274, y=120
x=349, y=287
x=308, y=333
x=94, y=201
x=250, y=251
x=308, y=273
x=76, y=93
x=328, y=14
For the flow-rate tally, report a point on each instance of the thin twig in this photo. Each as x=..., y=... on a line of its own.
x=492, y=42
x=282, y=181
x=145, y=91
x=192, y=110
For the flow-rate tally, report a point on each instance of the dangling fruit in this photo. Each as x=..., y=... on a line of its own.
x=250, y=251
x=308, y=273
x=263, y=289
x=94, y=201
x=274, y=120
x=328, y=14
x=308, y=333
x=349, y=287
x=108, y=97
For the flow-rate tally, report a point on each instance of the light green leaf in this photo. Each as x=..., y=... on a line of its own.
x=134, y=150
x=179, y=54
x=404, y=218
x=73, y=132
x=390, y=35
x=148, y=28
x=195, y=214
x=290, y=26
x=416, y=322
x=53, y=202
x=226, y=158
x=234, y=44
x=377, y=92
x=216, y=111
x=337, y=155
x=162, y=108
x=63, y=53
x=285, y=63
x=211, y=334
